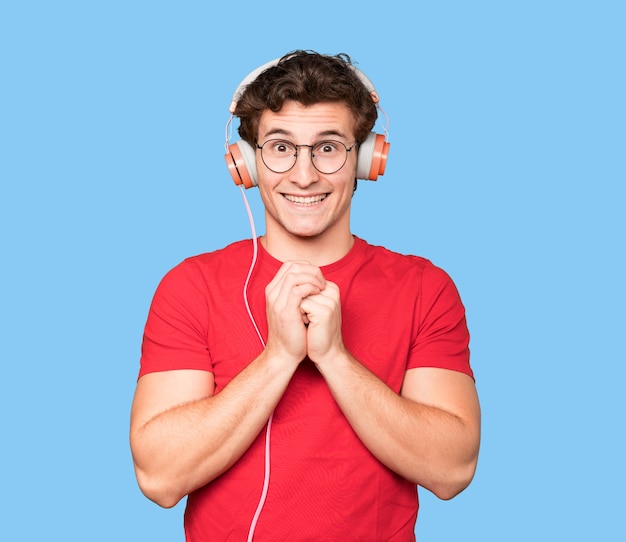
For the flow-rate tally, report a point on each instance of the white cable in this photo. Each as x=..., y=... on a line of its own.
x=386, y=124
x=255, y=251
x=228, y=131
x=266, y=478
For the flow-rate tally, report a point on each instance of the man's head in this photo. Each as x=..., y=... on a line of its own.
x=308, y=78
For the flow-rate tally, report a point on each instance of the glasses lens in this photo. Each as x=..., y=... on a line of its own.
x=329, y=156
x=279, y=155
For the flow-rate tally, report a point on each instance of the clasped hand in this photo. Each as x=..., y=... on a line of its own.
x=303, y=313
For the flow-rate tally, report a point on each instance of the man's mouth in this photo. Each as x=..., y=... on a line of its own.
x=305, y=200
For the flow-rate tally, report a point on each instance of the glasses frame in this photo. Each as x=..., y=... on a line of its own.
x=311, y=147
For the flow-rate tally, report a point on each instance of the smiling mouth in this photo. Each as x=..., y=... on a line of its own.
x=305, y=200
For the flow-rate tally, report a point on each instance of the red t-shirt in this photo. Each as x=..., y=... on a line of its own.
x=398, y=312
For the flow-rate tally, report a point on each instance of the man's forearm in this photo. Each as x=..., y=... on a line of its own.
x=190, y=444
x=429, y=445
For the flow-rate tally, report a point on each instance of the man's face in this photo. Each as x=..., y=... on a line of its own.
x=303, y=201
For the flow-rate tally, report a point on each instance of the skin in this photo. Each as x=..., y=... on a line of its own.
x=182, y=435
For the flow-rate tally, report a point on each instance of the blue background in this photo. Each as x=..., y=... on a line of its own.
x=507, y=129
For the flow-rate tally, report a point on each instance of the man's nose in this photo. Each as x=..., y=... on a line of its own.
x=304, y=172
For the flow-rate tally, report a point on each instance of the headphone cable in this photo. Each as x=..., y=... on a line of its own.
x=266, y=478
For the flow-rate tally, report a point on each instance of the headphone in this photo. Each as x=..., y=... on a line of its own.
x=241, y=156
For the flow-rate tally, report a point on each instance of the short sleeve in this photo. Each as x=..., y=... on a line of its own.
x=176, y=330
x=442, y=337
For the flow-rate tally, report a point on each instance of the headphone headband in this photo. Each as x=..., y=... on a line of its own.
x=258, y=71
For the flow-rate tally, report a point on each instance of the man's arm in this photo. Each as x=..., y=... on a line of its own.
x=182, y=436
x=429, y=433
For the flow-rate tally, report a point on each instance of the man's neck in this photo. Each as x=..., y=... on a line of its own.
x=319, y=250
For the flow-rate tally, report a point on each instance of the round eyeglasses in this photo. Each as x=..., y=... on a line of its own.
x=328, y=156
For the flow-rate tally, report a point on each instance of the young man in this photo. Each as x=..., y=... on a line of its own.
x=314, y=411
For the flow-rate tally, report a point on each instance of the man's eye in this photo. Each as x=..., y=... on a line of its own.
x=282, y=147
x=326, y=147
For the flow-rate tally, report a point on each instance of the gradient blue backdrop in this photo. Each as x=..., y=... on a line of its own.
x=507, y=131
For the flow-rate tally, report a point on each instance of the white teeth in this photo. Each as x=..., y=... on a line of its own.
x=308, y=200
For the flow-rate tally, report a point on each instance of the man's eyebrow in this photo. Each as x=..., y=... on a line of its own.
x=320, y=135
x=278, y=131
x=336, y=133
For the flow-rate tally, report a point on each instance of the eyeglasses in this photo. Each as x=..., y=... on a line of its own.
x=328, y=156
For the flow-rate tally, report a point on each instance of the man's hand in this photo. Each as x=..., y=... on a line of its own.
x=286, y=318
x=323, y=312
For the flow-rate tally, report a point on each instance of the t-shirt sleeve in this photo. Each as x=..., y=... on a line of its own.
x=442, y=337
x=176, y=330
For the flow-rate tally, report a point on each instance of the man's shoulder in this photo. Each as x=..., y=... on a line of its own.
x=394, y=257
x=225, y=262
x=402, y=266
x=230, y=253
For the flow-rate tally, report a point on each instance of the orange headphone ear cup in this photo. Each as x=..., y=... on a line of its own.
x=372, y=158
x=241, y=162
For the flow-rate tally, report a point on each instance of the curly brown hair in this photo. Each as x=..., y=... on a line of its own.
x=309, y=78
